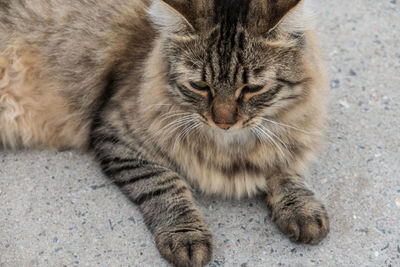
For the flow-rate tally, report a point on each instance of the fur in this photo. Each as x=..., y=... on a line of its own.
x=223, y=96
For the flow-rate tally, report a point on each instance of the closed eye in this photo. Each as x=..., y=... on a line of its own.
x=252, y=89
x=200, y=86
x=249, y=91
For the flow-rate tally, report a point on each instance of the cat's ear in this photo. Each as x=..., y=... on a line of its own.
x=271, y=13
x=173, y=15
x=281, y=8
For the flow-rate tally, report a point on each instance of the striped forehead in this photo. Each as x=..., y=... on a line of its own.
x=225, y=62
x=229, y=13
x=226, y=43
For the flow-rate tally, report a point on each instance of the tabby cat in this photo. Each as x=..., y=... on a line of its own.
x=225, y=96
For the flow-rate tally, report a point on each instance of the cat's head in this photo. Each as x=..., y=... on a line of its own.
x=233, y=61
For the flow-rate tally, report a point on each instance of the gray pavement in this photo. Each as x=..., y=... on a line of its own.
x=57, y=209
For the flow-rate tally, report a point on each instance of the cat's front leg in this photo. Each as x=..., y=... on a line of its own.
x=164, y=199
x=295, y=210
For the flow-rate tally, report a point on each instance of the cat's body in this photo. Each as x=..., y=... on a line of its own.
x=109, y=76
x=55, y=61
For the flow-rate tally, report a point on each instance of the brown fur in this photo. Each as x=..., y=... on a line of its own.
x=32, y=112
x=224, y=96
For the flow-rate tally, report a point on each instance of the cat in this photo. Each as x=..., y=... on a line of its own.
x=222, y=96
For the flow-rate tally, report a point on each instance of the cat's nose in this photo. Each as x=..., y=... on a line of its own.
x=224, y=114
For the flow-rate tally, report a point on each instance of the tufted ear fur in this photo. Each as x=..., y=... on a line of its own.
x=174, y=15
x=269, y=14
x=183, y=16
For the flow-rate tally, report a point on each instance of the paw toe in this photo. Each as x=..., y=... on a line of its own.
x=307, y=223
x=184, y=249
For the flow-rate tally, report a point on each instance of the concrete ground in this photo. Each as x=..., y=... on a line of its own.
x=57, y=209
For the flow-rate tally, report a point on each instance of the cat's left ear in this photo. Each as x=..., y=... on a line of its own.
x=174, y=15
x=271, y=13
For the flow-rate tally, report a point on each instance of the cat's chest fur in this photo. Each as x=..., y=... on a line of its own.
x=223, y=167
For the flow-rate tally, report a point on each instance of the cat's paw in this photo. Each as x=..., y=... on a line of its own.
x=185, y=246
x=302, y=219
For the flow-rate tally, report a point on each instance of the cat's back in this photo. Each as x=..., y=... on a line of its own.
x=55, y=60
x=35, y=19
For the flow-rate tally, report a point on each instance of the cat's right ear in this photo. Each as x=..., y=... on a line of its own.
x=173, y=16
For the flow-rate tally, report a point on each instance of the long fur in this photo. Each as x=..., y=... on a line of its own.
x=121, y=78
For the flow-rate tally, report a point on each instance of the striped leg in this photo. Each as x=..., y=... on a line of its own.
x=163, y=198
x=295, y=210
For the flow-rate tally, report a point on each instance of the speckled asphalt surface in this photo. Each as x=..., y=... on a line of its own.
x=56, y=209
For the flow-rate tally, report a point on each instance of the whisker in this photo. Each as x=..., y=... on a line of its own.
x=177, y=126
x=277, y=137
x=257, y=135
x=288, y=126
x=173, y=114
x=183, y=133
x=265, y=137
x=272, y=141
x=175, y=122
x=191, y=129
x=200, y=124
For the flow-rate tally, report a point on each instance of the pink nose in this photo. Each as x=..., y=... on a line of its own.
x=224, y=114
